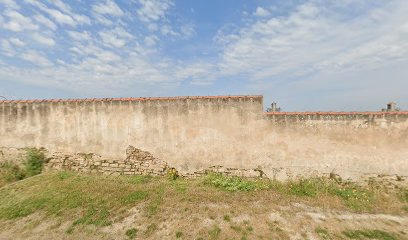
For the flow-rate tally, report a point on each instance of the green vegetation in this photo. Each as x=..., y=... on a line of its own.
x=369, y=234
x=96, y=198
x=233, y=184
x=179, y=234
x=34, y=162
x=403, y=194
x=32, y=165
x=131, y=233
x=227, y=218
x=214, y=232
x=355, y=197
x=322, y=233
x=87, y=201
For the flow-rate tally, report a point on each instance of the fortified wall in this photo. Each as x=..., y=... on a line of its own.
x=228, y=134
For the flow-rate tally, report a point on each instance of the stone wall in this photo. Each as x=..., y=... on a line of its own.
x=228, y=134
x=137, y=162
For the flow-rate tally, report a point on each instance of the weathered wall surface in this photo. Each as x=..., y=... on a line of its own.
x=189, y=132
x=194, y=134
x=350, y=144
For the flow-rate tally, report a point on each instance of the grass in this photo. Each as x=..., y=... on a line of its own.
x=99, y=201
x=214, y=232
x=369, y=234
x=233, y=183
x=131, y=233
x=88, y=199
x=32, y=165
x=353, y=196
x=322, y=233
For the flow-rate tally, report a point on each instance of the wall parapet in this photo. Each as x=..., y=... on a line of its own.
x=131, y=99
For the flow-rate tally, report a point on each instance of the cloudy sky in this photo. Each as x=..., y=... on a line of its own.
x=305, y=55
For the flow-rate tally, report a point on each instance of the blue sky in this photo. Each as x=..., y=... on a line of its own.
x=305, y=55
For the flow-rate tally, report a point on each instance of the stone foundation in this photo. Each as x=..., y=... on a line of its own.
x=139, y=162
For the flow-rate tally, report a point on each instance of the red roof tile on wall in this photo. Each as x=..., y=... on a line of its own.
x=337, y=113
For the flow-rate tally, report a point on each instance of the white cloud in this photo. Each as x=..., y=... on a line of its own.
x=6, y=48
x=10, y=4
x=65, y=17
x=314, y=38
x=80, y=36
x=261, y=12
x=60, y=17
x=17, y=22
x=36, y=58
x=108, y=7
x=45, y=21
x=109, y=39
x=61, y=5
x=153, y=10
x=47, y=41
x=151, y=40
x=116, y=37
x=16, y=42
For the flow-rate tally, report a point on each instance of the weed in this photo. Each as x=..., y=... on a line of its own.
x=151, y=228
x=227, y=218
x=403, y=194
x=236, y=228
x=131, y=233
x=370, y=234
x=179, y=234
x=172, y=174
x=34, y=161
x=233, y=184
x=10, y=172
x=305, y=187
x=214, y=232
x=323, y=233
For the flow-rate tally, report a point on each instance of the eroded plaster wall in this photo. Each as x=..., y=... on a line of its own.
x=195, y=133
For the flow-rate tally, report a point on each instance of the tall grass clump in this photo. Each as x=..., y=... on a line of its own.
x=34, y=162
x=10, y=172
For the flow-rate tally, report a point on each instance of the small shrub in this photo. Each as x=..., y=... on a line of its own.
x=131, y=233
x=172, y=174
x=10, y=172
x=34, y=162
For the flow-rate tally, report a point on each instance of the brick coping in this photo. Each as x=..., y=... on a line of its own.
x=338, y=113
x=131, y=99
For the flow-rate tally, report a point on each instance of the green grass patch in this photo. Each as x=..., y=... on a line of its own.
x=10, y=172
x=179, y=234
x=214, y=232
x=370, y=234
x=322, y=233
x=34, y=161
x=131, y=233
x=234, y=184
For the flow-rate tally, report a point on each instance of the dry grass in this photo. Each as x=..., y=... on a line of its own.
x=214, y=207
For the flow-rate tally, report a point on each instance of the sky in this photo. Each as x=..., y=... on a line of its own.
x=310, y=55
